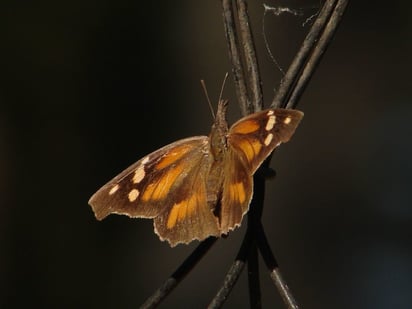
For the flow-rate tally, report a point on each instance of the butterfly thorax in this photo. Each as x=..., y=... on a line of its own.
x=218, y=134
x=218, y=150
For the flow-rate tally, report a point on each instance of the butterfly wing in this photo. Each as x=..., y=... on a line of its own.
x=254, y=137
x=237, y=192
x=154, y=186
x=189, y=217
x=250, y=142
x=141, y=189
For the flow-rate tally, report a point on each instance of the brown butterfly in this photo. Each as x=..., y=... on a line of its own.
x=199, y=186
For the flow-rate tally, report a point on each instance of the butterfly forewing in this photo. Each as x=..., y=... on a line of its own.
x=255, y=136
x=250, y=141
x=151, y=185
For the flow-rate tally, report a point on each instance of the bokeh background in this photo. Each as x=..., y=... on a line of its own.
x=87, y=88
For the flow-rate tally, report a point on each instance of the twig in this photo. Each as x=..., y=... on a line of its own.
x=289, y=80
x=179, y=274
x=253, y=258
x=234, y=55
x=249, y=53
x=233, y=274
x=283, y=289
x=254, y=87
x=255, y=298
x=318, y=52
x=273, y=267
x=254, y=217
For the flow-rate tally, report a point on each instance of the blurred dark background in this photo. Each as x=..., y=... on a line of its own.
x=87, y=88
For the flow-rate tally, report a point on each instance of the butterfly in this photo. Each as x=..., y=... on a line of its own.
x=199, y=186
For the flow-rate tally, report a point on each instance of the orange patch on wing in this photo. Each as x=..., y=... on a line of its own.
x=237, y=192
x=173, y=156
x=250, y=148
x=182, y=210
x=172, y=219
x=246, y=127
x=256, y=145
x=159, y=189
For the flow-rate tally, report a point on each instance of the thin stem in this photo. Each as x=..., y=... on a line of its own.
x=253, y=277
x=273, y=267
x=283, y=289
x=230, y=280
x=234, y=55
x=254, y=215
x=233, y=274
x=179, y=274
x=318, y=52
x=249, y=54
x=289, y=80
x=255, y=297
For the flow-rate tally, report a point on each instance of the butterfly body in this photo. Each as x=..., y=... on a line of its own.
x=199, y=186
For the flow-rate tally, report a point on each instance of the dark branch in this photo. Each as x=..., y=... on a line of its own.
x=273, y=267
x=288, y=81
x=234, y=56
x=318, y=52
x=253, y=277
x=254, y=216
x=179, y=274
x=233, y=274
x=249, y=54
x=283, y=289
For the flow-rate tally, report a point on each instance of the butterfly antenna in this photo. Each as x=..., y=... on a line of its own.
x=223, y=86
x=207, y=97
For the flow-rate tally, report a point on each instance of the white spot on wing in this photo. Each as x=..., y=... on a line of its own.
x=133, y=195
x=271, y=122
x=287, y=120
x=145, y=160
x=139, y=174
x=268, y=139
x=114, y=189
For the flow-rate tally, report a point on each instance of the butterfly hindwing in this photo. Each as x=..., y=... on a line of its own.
x=189, y=217
x=255, y=136
x=148, y=187
x=237, y=192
